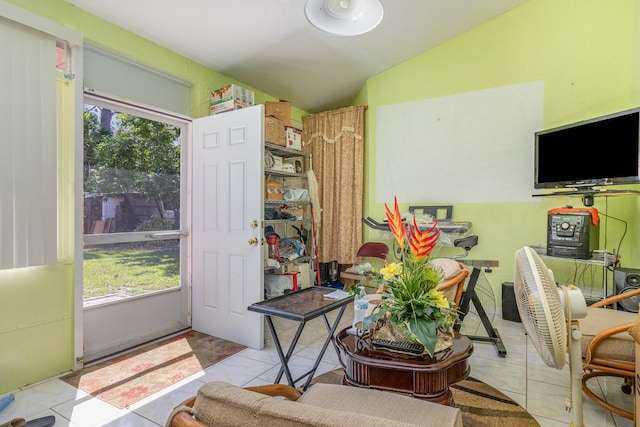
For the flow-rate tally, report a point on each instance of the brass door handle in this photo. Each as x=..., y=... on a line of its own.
x=253, y=242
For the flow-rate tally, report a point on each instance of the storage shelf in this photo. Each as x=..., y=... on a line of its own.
x=604, y=260
x=597, y=259
x=284, y=202
x=276, y=172
x=281, y=221
x=299, y=260
x=283, y=151
x=593, y=193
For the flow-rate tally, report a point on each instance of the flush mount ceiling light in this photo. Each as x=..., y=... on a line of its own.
x=344, y=17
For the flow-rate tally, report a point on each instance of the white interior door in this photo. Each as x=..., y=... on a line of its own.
x=227, y=260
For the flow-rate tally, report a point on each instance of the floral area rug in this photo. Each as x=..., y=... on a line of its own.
x=481, y=405
x=130, y=377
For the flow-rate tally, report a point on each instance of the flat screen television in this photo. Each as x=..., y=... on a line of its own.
x=591, y=153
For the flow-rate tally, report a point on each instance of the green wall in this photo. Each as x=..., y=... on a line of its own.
x=36, y=304
x=105, y=35
x=585, y=52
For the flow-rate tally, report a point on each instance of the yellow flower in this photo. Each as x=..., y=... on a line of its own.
x=391, y=270
x=439, y=298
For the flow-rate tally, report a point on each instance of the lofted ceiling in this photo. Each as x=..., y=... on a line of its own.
x=269, y=45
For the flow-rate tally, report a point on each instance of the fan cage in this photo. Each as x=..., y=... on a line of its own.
x=541, y=309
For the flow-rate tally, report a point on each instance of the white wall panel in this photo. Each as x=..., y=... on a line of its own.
x=469, y=147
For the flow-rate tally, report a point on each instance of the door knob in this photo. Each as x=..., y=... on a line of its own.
x=253, y=242
x=254, y=224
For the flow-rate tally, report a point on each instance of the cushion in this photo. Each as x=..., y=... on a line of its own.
x=222, y=404
x=618, y=347
x=634, y=331
x=447, y=266
x=390, y=406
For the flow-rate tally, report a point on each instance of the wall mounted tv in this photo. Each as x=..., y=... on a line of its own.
x=591, y=153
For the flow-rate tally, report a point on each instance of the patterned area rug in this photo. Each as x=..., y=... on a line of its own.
x=130, y=377
x=481, y=404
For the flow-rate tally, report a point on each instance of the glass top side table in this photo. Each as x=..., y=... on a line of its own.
x=301, y=307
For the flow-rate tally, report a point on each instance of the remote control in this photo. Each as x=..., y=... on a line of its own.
x=408, y=347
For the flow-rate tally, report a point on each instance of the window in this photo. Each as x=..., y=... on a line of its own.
x=132, y=201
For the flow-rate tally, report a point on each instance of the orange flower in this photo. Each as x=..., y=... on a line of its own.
x=395, y=223
x=422, y=242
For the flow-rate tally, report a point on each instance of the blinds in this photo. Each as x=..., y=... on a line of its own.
x=113, y=75
x=28, y=168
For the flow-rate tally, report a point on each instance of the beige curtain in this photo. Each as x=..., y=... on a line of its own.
x=335, y=141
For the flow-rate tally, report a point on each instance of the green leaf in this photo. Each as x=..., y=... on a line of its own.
x=426, y=332
x=368, y=320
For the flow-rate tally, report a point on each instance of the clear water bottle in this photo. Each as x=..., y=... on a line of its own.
x=360, y=307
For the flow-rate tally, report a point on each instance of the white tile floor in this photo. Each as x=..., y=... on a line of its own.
x=521, y=375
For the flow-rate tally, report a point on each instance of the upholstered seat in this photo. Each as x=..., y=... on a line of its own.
x=221, y=404
x=618, y=347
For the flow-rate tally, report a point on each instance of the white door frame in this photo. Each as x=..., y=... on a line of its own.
x=174, y=305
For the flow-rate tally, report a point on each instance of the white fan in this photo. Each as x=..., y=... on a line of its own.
x=548, y=315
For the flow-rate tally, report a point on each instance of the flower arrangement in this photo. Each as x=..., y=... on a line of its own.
x=412, y=304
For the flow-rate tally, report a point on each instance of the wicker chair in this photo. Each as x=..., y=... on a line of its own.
x=454, y=278
x=607, y=348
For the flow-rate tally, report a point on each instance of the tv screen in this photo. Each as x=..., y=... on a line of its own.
x=595, y=152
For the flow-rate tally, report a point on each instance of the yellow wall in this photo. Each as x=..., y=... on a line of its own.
x=585, y=51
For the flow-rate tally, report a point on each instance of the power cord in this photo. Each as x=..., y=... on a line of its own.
x=624, y=233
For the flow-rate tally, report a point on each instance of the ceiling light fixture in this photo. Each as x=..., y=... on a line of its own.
x=344, y=17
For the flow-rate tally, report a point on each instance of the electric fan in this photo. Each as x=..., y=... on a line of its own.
x=548, y=315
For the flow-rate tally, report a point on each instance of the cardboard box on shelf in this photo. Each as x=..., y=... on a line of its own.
x=281, y=110
x=230, y=97
x=295, y=210
x=274, y=131
x=277, y=163
x=294, y=138
x=293, y=165
x=273, y=189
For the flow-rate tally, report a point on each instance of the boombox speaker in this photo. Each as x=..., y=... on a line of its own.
x=625, y=280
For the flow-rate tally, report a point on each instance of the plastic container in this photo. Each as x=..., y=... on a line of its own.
x=360, y=308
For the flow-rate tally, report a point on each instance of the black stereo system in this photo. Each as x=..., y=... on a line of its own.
x=625, y=280
x=571, y=235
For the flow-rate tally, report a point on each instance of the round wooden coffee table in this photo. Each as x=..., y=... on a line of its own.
x=422, y=377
